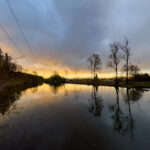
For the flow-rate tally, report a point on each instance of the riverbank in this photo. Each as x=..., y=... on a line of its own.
x=110, y=82
x=18, y=79
x=24, y=80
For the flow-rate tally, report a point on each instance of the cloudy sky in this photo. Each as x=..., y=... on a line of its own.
x=62, y=34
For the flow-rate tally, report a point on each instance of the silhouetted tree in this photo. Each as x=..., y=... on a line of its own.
x=6, y=64
x=126, y=56
x=114, y=58
x=56, y=79
x=94, y=63
x=134, y=69
x=142, y=77
x=1, y=59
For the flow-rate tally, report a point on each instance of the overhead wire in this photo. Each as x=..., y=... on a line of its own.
x=20, y=29
x=12, y=41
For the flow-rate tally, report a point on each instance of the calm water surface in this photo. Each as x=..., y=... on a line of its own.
x=75, y=117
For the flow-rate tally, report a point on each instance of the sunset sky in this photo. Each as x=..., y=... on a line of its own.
x=62, y=34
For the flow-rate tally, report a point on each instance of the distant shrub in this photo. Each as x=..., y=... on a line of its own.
x=55, y=79
x=142, y=77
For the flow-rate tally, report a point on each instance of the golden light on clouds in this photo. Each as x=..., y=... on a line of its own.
x=71, y=73
x=47, y=68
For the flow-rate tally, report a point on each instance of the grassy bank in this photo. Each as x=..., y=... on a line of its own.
x=107, y=82
x=18, y=79
x=11, y=87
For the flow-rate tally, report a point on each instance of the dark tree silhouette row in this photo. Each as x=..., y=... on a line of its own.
x=7, y=64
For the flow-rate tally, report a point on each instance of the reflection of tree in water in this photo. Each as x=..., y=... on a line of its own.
x=125, y=123
x=34, y=90
x=76, y=91
x=135, y=94
x=6, y=101
x=117, y=113
x=132, y=95
x=96, y=102
x=66, y=92
x=130, y=122
x=8, y=98
x=55, y=88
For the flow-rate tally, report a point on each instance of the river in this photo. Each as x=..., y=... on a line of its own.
x=75, y=117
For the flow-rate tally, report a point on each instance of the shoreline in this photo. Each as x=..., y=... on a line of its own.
x=16, y=80
x=144, y=84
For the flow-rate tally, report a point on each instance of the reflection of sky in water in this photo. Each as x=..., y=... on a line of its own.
x=57, y=117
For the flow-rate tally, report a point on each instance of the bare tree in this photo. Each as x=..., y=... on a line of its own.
x=7, y=64
x=1, y=59
x=94, y=63
x=134, y=70
x=114, y=58
x=126, y=56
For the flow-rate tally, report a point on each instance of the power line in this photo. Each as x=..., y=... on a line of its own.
x=20, y=28
x=12, y=41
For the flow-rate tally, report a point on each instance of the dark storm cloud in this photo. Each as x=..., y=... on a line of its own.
x=66, y=32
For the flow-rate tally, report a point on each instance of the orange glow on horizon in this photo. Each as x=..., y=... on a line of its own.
x=47, y=70
x=73, y=74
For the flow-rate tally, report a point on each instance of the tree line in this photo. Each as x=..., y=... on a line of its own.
x=118, y=52
x=7, y=64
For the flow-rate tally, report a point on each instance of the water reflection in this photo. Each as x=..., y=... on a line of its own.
x=66, y=91
x=96, y=102
x=59, y=115
x=132, y=94
x=135, y=94
x=76, y=92
x=8, y=98
x=34, y=90
x=117, y=116
x=130, y=122
x=123, y=121
x=55, y=88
